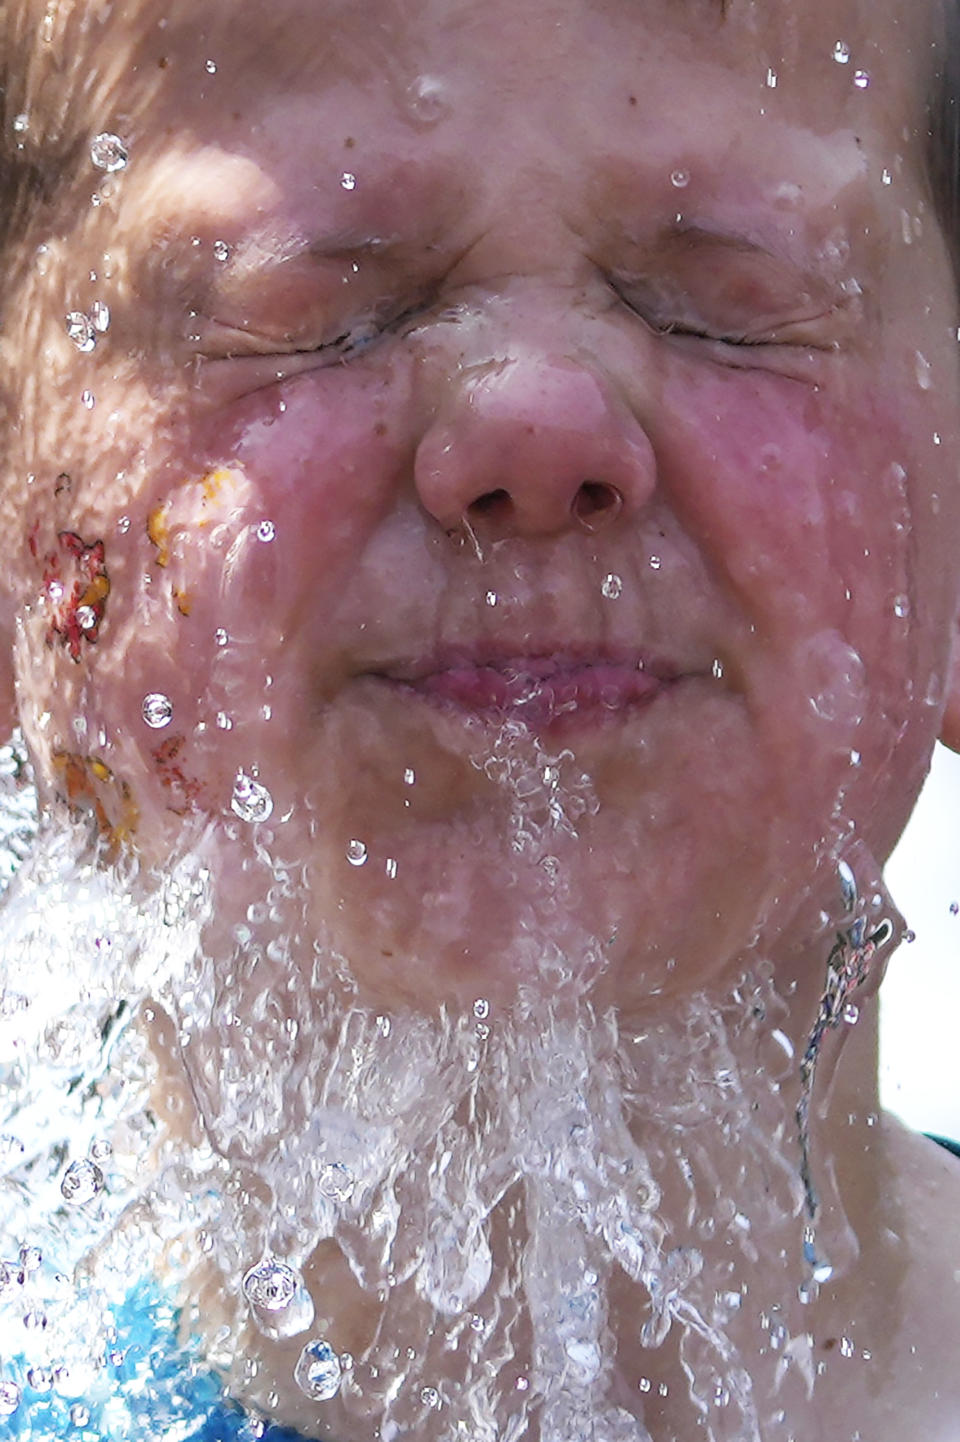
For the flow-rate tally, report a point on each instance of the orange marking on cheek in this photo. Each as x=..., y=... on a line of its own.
x=89, y=785
x=184, y=603
x=159, y=534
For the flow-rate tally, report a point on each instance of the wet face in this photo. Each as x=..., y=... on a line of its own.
x=522, y=512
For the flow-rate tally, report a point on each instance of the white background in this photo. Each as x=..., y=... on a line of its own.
x=920, y=1000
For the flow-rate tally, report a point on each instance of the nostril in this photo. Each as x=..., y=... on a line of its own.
x=595, y=504
x=491, y=503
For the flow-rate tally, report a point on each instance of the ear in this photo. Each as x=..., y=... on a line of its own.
x=950, y=726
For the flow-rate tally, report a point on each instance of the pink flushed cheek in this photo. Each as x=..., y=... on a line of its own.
x=324, y=455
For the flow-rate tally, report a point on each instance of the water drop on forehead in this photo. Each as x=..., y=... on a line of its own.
x=356, y=853
x=611, y=586
x=680, y=179
x=348, y=180
x=841, y=52
x=108, y=152
x=318, y=1372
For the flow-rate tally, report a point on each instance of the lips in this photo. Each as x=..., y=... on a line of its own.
x=540, y=691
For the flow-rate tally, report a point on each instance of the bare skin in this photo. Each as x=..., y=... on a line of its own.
x=623, y=414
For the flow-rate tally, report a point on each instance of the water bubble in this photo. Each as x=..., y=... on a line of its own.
x=80, y=330
x=645, y=1384
x=716, y=670
x=348, y=180
x=210, y=66
x=491, y=598
x=250, y=800
x=108, y=152
x=851, y=1013
x=82, y=1181
x=220, y=636
x=409, y=776
x=88, y=400
x=9, y=1398
x=481, y=1008
x=390, y=867
x=40, y=1379
x=522, y=1384
x=336, y=1180
x=224, y=721
x=100, y=316
x=318, y=1373
x=271, y=1286
x=612, y=586
x=772, y=79
x=79, y=1414
x=221, y=250
x=356, y=852
x=30, y=1259
x=157, y=710
x=680, y=179
x=86, y=618
x=847, y=1348
x=266, y=531
x=954, y=908
x=655, y=563
x=841, y=52
x=861, y=79
x=20, y=122
x=430, y=1397
x=886, y=178
x=100, y=1150
x=901, y=607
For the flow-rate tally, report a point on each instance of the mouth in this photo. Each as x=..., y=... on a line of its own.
x=543, y=691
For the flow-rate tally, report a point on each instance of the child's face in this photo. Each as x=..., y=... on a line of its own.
x=524, y=442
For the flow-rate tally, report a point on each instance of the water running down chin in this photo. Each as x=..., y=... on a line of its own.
x=494, y=1225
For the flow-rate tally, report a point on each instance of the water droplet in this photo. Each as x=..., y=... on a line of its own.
x=680, y=179
x=318, y=1373
x=250, y=800
x=348, y=180
x=30, y=1259
x=224, y=721
x=100, y=316
x=954, y=908
x=612, y=586
x=841, y=52
x=522, y=1384
x=645, y=1384
x=391, y=868
x=924, y=372
x=336, y=1181
x=80, y=330
x=266, y=531
x=271, y=1285
x=847, y=1348
x=655, y=563
x=82, y=1181
x=409, y=776
x=221, y=251
x=491, y=598
x=356, y=852
x=86, y=618
x=20, y=122
x=79, y=1414
x=123, y=525
x=40, y=1379
x=108, y=152
x=481, y=1008
x=89, y=400
x=220, y=636
x=861, y=79
x=716, y=670
x=9, y=1398
x=772, y=79
x=210, y=66
x=157, y=710
x=429, y=1396
x=901, y=606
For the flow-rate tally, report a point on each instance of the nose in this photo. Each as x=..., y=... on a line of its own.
x=533, y=447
